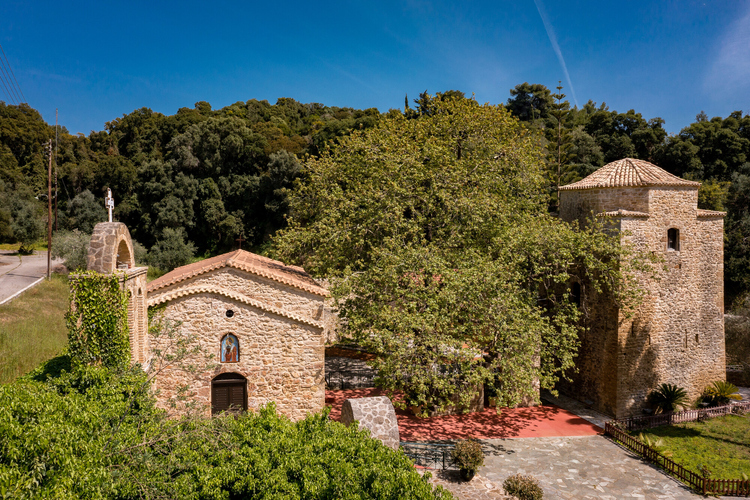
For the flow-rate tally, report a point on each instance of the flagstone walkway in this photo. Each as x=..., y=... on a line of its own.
x=578, y=468
x=565, y=452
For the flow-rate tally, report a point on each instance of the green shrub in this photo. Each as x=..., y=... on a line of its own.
x=94, y=432
x=523, y=487
x=720, y=393
x=140, y=254
x=668, y=398
x=72, y=247
x=171, y=250
x=468, y=455
x=84, y=212
x=97, y=320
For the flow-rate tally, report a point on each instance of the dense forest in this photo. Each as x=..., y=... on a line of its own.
x=196, y=181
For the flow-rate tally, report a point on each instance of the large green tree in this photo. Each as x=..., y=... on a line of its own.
x=444, y=261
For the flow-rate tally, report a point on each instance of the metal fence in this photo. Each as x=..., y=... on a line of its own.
x=618, y=430
x=429, y=455
x=350, y=379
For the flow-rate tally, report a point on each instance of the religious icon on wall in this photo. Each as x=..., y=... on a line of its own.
x=230, y=349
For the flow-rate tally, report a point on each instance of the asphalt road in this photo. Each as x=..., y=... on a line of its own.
x=18, y=272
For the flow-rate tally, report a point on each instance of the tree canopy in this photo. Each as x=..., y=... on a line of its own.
x=442, y=255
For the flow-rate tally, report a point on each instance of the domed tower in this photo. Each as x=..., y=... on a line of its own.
x=677, y=334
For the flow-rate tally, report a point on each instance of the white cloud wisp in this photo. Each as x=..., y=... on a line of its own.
x=555, y=45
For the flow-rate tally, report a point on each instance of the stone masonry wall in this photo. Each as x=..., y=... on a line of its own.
x=578, y=205
x=677, y=334
x=135, y=285
x=271, y=292
x=375, y=414
x=282, y=359
x=110, y=247
x=595, y=380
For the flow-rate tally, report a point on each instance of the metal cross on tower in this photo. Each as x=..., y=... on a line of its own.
x=109, y=202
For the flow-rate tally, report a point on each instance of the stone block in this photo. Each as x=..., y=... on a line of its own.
x=375, y=414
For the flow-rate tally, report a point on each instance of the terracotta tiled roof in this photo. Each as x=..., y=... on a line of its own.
x=622, y=213
x=710, y=213
x=192, y=290
x=252, y=263
x=629, y=172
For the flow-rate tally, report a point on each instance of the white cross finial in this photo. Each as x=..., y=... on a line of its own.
x=110, y=203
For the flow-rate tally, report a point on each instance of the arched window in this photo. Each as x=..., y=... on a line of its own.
x=230, y=349
x=124, y=260
x=228, y=393
x=673, y=239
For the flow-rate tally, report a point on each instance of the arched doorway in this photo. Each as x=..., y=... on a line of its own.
x=228, y=393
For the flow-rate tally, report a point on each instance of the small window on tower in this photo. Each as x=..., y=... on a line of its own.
x=673, y=239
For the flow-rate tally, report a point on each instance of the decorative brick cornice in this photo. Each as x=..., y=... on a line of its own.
x=264, y=267
x=156, y=299
x=710, y=213
x=624, y=213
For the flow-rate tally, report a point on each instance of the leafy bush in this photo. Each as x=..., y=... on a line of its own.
x=93, y=432
x=97, y=320
x=523, y=487
x=468, y=455
x=171, y=250
x=27, y=225
x=140, y=254
x=668, y=398
x=73, y=247
x=720, y=393
x=84, y=212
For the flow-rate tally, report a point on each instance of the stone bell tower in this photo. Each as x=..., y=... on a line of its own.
x=677, y=334
x=110, y=250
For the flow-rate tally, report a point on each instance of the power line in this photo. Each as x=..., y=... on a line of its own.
x=6, y=80
x=14, y=75
x=2, y=79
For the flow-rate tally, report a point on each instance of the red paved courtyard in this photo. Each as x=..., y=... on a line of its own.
x=539, y=421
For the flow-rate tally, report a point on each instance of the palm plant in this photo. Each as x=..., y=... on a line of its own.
x=720, y=393
x=668, y=398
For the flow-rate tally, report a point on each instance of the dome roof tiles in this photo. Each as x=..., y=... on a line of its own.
x=630, y=172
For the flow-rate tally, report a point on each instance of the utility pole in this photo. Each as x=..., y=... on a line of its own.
x=49, y=209
x=56, y=134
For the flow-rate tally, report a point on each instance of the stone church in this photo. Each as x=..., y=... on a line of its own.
x=677, y=334
x=260, y=326
x=257, y=327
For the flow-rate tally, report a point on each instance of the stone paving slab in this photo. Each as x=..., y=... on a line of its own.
x=578, y=468
x=577, y=407
x=479, y=488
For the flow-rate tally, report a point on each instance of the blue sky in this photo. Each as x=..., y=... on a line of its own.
x=96, y=61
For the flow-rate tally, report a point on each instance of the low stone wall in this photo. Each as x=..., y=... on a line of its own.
x=375, y=414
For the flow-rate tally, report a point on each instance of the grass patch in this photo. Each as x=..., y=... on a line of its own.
x=32, y=327
x=722, y=444
x=39, y=245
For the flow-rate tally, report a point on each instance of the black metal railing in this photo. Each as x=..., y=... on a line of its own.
x=429, y=455
x=350, y=379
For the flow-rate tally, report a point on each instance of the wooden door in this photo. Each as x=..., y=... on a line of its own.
x=228, y=393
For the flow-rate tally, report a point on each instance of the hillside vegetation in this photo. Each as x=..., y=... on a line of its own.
x=194, y=182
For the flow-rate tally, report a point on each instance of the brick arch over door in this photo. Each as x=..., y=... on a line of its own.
x=228, y=393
